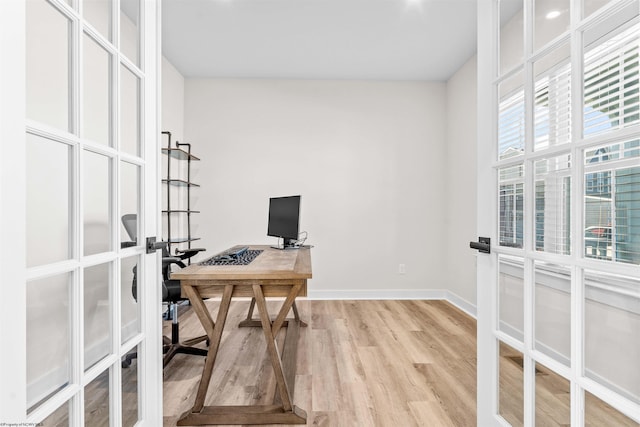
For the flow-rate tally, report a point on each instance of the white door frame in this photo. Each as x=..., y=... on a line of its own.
x=12, y=211
x=13, y=271
x=486, y=293
x=487, y=225
x=151, y=395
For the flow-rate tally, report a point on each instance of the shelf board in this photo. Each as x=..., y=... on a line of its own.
x=180, y=183
x=179, y=153
x=183, y=239
x=180, y=211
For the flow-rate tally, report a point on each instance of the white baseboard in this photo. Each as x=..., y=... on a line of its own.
x=462, y=304
x=395, y=294
x=379, y=294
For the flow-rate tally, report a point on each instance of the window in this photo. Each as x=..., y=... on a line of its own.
x=611, y=171
x=612, y=202
x=512, y=206
x=611, y=98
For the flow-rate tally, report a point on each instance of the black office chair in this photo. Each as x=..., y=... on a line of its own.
x=170, y=294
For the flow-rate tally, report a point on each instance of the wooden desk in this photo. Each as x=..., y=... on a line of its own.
x=274, y=273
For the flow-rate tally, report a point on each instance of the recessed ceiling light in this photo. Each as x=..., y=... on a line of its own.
x=414, y=4
x=553, y=14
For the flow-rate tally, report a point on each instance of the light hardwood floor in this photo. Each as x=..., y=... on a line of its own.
x=372, y=363
x=360, y=363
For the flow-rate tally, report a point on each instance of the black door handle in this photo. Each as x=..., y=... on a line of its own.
x=153, y=246
x=483, y=245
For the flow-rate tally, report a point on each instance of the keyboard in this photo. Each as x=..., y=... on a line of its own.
x=246, y=256
x=232, y=253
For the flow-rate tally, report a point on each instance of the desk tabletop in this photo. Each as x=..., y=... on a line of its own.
x=270, y=264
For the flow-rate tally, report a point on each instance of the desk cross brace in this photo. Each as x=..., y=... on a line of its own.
x=251, y=322
x=282, y=411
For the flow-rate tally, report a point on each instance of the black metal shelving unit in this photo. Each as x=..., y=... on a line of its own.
x=179, y=153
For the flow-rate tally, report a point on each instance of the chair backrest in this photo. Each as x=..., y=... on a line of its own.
x=170, y=288
x=130, y=223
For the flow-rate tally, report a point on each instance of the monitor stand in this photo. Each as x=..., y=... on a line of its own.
x=287, y=244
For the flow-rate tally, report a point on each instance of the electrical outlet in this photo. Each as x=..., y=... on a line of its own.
x=402, y=269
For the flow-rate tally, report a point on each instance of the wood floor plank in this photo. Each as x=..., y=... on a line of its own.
x=325, y=379
x=430, y=413
x=361, y=363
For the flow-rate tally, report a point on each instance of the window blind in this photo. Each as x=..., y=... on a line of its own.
x=553, y=204
x=511, y=206
x=511, y=126
x=553, y=108
x=611, y=83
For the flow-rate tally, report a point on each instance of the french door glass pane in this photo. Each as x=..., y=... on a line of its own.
x=552, y=311
x=96, y=111
x=611, y=80
x=129, y=199
x=611, y=325
x=552, y=109
x=130, y=29
x=129, y=112
x=130, y=392
x=511, y=117
x=612, y=202
x=130, y=312
x=511, y=206
x=99, y=14
x=553, y=204
x=48, y=93
x=97, y=203
x=553, y=398
x=97, y=313
x=511, y=34
x=591, y=6
x=551, y=19
x=599, y=413
x=96, y=401
x=511, y=385
x=59, y=417
x=48, y=201
x=627, y=215
x=48, y=337
x=511, y=294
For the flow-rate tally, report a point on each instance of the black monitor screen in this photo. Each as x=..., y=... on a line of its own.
x=284, y=216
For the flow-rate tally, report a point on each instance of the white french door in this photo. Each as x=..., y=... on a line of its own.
x=80, y=145
x=559, y=196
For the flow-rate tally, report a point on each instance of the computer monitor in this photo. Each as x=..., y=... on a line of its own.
x=284, y=218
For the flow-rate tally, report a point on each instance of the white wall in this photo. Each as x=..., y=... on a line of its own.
x=368, y=159
x=461, y=203
x=173, y=121
x=172, y=100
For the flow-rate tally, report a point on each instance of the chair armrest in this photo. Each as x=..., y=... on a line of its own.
x=188, y=253
x=167, y=261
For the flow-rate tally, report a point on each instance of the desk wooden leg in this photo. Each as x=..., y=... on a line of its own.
x=251, y=307
x=282, y=411
x=296, y=316
x=214, y=331
x=250, y=322
x=289, y=353
x=270, y=331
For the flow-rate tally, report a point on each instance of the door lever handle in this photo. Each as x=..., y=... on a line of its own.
x=483, y=245
x=153, y=246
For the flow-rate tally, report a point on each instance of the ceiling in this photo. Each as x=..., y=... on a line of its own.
x=319, y=39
